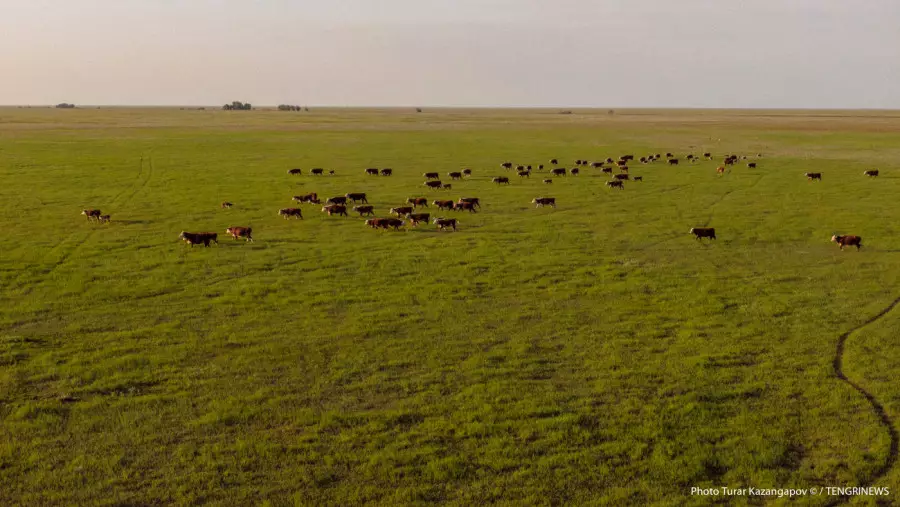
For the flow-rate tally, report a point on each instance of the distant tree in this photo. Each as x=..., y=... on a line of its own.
x=418, y=109
x=65, y=106
x=237, y=106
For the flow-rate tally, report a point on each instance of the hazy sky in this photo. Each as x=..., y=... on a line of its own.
x=639, y=53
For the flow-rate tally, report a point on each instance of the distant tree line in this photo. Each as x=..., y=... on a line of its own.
x=238, y=106
x=65, y=106
x=285, y=107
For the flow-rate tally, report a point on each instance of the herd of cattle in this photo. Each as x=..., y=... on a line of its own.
x=407, y=214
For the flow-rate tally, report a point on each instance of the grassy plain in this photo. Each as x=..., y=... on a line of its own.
x=591, y=354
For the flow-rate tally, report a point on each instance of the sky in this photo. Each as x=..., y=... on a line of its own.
x=454, y=53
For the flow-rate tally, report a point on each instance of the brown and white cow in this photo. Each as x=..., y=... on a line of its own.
x=387, y=172
x=638, y=178
x=432, y=176
x=622, y=177
x=295, y=171
x=365, y=210
x=544, y=201
x=240, y=232
x=673, y=161
x=418, y=201
x=703, y=232
x=290, y=212
x=357, y=197
x=467, y=172
x=448, y=205
x=455, y=175
x=91, y=214
x=416, y=218
x=443, y=223
x=607, y=170
x=615, y=184
x=575, y=171
x=372, y=172
x=335, y=209
x=470, y=206
x=548, y=181
x=847, y=241
x=338, y=199
x=751, y=165
x=446, y=186
x=401, y=210
x=226, y=205
x=560, y=171
x=871, y=173
x=524, y=174
x=720, y=169
x=312, y=198
x=474, y=200
x=501, y=179
x=433, y=184
x=813, y=176
x=318, y=171
x=506, y=165
x=104, y=219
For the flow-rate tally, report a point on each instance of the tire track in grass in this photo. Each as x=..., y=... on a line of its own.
x=877, y=407
x=67, y=252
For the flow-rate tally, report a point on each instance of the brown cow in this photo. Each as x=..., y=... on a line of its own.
x=703, y=232
x=506, y=165
x=501, y=179
x=554, y=161
x=312, y=198
x=525, y=174
x=872, y=173
x=813, y=176
x=240, y=232
x=575, y=171
x=415, y=218
x=707, y=155
x=621, y=176
x=751, y=165
x=103, y=219
x=402, y=210
x=357, y=197
x=291, y=212
x=638, y=178
x=317, y=171
x=446, y=186
x=673, y=161
x=465, y=205
x=335, y=209
x=432, y=176
x=418, y=201
x=433, y=184
x=615, y=184
x=548, y=181
x=91, y=214
x=295, y=171
x=226, y=205
x=623, y=168
x=544, y=201
x=443, y=223
x=195, y=238
x=473, y=200
x=455, y=175
x=597, y=165
x=559, y=172
x=720, y=169
x=364, y=210
x=847, y=241
x=340, y=199
x=371, y=171
x=448, y=205
x=467, y=172
x=387, y=172
x=607, y=170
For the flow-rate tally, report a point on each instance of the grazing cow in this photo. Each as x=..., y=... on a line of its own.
x=548, y=181
x=554, y=161
x=240, y=232
x=455, y=175
x=520, y=168
x=597, y=165
x=707, y=156
x=621, y=177
x=528, y=168
x=91, y=214
x=291, y=212
x=372, y=171
x=621, y=163
x=673, y=161
x=335, y=209
x=609, y=160
x=417, y=201
x=331, y=172
x=415, y=218
x=443, y=223
x=103, y=219
x=506, y=165
x=467, y=172
x=690, y=157
x=384, y=223
x=433, y=184
x=195, y=238
x=432, y=176
x=337, y=200
x=751, y=165
x=720, y=169
x=872, y=173
x=295, y=171
x=226, y=205
x=387, y=172
x=669, y=155
x=401, y=211
x=643, y=160
x=446, y=186
x=357, y=197
x=364, y=210
x=627, y=157
x=847, y=241
x=623, y=168
x=638, y=178
x=473, y=200
x=525, y=174
x=615, y=184
x=448, y=205
x=813, y=176
x=544, y=201
x=317, y=171
x=574, y=171
x=501, y=179
x=703, y=232
x=312, y=198
x=559, y=172
x=465, y=206
x=607, y=170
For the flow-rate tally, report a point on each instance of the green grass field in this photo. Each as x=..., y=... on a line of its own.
x=595, y=353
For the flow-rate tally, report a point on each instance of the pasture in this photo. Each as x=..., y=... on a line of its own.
x=591, y=353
